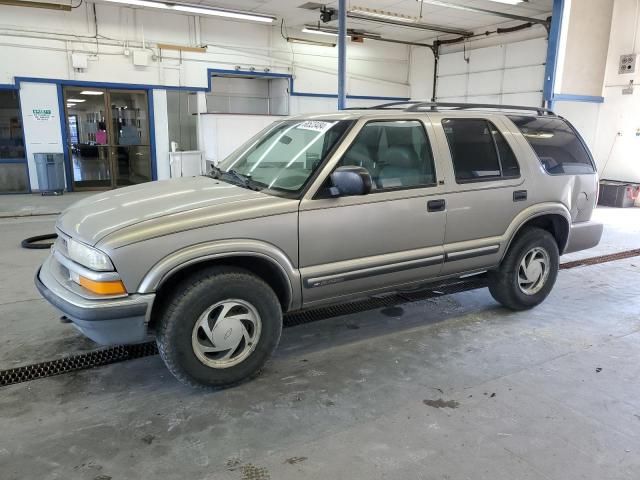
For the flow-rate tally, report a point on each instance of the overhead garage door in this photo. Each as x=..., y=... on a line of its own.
x=505, y=74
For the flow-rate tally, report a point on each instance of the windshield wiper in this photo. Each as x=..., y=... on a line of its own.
x=237, y=178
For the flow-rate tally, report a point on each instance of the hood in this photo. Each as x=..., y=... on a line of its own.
x=162, y=202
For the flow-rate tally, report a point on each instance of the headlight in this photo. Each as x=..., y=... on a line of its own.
x=88, y=257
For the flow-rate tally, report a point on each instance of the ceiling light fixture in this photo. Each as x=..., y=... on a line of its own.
x=223, y=13
x=466, y=8
x=510, y=2
x=199, y=10
x=141, y=3
x=317, y=31
x=30, y=4
x=90, y=92
x=309, y=42
x=380, y=16
x=330, y=31
x=75, y=100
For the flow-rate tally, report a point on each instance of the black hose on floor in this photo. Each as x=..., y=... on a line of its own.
x=37, y=241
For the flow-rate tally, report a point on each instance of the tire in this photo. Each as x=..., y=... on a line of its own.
x=201, y=355
x=511, y=286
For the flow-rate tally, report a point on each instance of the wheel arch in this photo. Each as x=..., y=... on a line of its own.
x=263, y=260
x=556, y=221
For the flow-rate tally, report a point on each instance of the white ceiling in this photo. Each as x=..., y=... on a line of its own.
x=296, y=17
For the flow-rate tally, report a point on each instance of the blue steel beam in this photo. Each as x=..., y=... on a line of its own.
x=553, y=47
x=342, y=54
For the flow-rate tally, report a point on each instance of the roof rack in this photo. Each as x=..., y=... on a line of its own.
x=417, y=105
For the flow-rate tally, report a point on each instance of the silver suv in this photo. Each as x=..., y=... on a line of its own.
x=318, y=210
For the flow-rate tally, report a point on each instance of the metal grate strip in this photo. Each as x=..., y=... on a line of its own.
x=601, y=259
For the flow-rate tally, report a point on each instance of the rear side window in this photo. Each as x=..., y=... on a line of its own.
x=479, y=151
x=557, y=145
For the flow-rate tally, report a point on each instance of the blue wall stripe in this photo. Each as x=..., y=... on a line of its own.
x=568, y=97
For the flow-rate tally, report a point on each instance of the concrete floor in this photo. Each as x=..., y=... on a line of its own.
x=448, y=388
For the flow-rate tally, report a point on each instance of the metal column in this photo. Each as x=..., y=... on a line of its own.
x=553, y=48
x=342, y=54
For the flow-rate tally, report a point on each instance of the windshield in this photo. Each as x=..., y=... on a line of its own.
x=284, y=155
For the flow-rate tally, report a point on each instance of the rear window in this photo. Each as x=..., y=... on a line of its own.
x=478, y=150
x=557, y=145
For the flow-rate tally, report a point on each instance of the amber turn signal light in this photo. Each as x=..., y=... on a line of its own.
x=103, y=288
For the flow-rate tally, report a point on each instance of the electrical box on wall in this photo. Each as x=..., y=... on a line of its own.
x=141, y=58
x=79, y=61
x=627, y=63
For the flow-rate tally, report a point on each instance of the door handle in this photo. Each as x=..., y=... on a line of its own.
x=519, y=195
x=436, y=205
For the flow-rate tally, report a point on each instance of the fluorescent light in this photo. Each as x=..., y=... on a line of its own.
x=141, y=3
x=508, y=2
x=319, y=32
x=90, y=92
x=75, y=100
x=370, y=12
x=218, y=12
x=309, y=42
x=223, y=13
x=390, y=18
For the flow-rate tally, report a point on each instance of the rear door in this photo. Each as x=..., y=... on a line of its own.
x=392, y=236
x=486, y=188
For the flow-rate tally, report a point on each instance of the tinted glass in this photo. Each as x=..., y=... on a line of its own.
x=397, y=154
x=11, y=140
x=508, y=162
x=558, y=147
x=472, y=149
x=285, y=154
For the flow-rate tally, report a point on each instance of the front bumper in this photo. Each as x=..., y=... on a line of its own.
x=108, y=321
x=583, y=235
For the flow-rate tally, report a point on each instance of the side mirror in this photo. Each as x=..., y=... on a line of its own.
x=350, y=180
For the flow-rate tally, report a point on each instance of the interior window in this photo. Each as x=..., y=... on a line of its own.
x=397, y=154
x=557, y=145
x=478, y=150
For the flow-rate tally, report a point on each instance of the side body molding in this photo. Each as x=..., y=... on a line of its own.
x=225, y=249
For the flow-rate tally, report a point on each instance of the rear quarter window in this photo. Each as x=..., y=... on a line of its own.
x=559, y=148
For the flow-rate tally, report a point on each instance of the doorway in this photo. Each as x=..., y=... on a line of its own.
x=107, y=137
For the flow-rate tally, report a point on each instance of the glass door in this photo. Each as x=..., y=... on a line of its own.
x=87, y=141
x=130, y=150
x=108, y=137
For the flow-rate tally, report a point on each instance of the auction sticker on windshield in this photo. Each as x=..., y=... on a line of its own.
x=316, y=125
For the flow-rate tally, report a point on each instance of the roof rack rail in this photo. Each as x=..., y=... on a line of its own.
x=415, y=106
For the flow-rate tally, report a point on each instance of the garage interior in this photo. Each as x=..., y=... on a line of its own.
x=441, y=383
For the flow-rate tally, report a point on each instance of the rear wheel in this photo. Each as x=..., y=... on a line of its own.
x=528, y=271
x=220, y=327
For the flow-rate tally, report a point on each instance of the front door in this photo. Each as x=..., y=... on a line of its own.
x=107, y=137
x=393, y=236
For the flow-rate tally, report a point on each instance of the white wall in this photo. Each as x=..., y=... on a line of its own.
x=587, y=27
x=611, y=128
x=162, y=133
x=40, y=43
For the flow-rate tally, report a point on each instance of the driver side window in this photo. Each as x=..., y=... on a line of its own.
x=396, y=153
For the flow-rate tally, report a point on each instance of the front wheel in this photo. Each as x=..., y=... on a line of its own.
x=220, y=327
x=528, y=271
